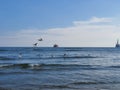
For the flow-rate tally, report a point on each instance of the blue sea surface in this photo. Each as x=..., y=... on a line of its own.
x=62, y=68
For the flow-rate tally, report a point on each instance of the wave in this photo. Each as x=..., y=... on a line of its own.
x=87, y=82
x=114, y=66
x=84, y=57
x=47, y=57
x=71, y=85
x=64, y=57
x=94, y=82
x=79, y=57
x=25, y=65
x=5, y=58
x=1, y=88
x=51, y=66
x=73, y=49
x=54, y=86
x=14, y=65
x=2, y=50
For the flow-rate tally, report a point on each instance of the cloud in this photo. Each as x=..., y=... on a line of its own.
x=93, y=20
x=81, y=34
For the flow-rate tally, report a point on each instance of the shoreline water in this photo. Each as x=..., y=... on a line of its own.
x=94, y=69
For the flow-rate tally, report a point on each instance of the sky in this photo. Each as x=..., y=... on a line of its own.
x=68, y=23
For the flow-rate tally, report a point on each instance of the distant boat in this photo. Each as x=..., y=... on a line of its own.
x=117, y=44
x=55, y=45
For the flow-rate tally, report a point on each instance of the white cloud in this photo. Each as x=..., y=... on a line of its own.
x=82, y=34
x=93, y=20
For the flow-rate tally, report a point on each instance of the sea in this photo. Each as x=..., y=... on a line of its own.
x=61, y=68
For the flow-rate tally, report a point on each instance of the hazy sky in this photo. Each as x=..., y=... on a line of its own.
x=73, y=23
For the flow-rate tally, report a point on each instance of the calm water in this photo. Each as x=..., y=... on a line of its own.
x=59, y=68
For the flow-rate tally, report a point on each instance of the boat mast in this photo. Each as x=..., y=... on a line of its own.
x=117, y=42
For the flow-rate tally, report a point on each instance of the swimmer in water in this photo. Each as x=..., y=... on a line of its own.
x=65, y=55
x=20, y=55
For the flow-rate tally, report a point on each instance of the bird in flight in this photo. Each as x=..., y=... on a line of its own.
x=35, y=44
x=40, y=39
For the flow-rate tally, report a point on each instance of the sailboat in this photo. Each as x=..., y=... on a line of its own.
x=117, y=44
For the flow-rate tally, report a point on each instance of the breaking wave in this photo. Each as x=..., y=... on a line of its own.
x=6, y=58
x=47, y=57
x=51, y=66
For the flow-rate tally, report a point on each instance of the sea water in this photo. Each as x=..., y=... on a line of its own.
x=65, y=68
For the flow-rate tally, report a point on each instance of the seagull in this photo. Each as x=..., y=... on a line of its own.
x=35, y=44
x=40, y=39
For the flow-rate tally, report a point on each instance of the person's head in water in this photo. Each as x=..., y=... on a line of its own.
x=65, y=55
x=20, y=55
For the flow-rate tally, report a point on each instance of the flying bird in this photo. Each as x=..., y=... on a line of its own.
x=40, y=39
x=35, y=44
